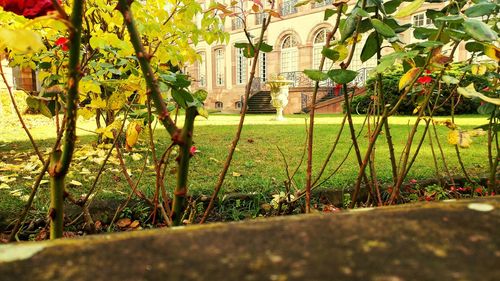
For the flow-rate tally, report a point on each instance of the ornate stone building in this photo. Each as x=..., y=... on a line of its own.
x=297, y=39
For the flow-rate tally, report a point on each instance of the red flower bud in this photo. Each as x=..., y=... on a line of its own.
x=29, y=8
x=192, y=150
x=63, y=43
x=424, y=80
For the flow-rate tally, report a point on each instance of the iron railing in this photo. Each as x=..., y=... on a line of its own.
x=301, y=80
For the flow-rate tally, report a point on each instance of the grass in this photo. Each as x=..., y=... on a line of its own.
x=257, y=166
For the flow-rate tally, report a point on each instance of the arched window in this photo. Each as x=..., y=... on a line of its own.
x=289, y=54
x=219, y=105
x=202, y=71
x=219, y=67
x=318, y=44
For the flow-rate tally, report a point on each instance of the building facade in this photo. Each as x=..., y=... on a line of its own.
x=297, y=39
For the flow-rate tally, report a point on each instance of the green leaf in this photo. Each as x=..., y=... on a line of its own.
x=248, y=51
x=182, y=97
x=487, y=109
x=370, y=48
x=479, y=30
x=200, y=95
x=380, y=5
x=330, y=54
x=474, y=47
x=383, y=28
x=470, y=92
x=33, y=103
x=329, y=13
x=342, y=50
x=384, y=65
x=392, y=23
x=266, y=48
x=449, y=79
x=363, y=13
x=348, y=27
x=316, y=75
x=241, y=45
x=342, y=76
x=451, y=19
x=409, y=9
x=391, y=6
x=481, y=9
x=423, y=32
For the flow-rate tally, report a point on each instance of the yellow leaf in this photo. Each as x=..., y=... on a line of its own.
x=235, y=174
x=75, y=183
x=86, y=113
x=492, y=52
x=86, y=86
x=408, y=77
x=202, y=111
x=21, y=40
x=136, y=156
x=132, y=135
x=462, y=139
x=116, y=101
x=477, y=132
x=97, y=102
x=470, y=92
x=408, y=9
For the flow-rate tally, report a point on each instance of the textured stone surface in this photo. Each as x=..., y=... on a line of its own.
x=432, y=241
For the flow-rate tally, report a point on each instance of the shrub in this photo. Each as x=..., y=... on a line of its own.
x=391, y=94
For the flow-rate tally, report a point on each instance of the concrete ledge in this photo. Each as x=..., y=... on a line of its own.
x=457, y=240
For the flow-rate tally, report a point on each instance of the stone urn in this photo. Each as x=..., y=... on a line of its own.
x=279, y=95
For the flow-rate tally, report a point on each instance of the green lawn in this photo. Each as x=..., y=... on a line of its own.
x=257, y=159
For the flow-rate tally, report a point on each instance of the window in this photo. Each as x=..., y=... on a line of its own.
x=237, y=23
x=322, y=3
x=202, y=72
x=219, y=105
x=319, y=43
x=241, y=67
x=289, y=54
x=288, y=7
x=237, y=105
x=219, y=67
x=262, y=67
x=421, y=20
x=259, y=18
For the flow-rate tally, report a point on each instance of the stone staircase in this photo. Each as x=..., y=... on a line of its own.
x=260, y=103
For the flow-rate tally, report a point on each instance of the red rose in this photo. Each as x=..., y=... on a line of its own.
x=63, y=43
x=424, y=80
x=29, y=8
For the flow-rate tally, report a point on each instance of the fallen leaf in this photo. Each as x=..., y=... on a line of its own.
x=134, y=224
x=75, y=183
x=124, y=222
x=235, y=174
